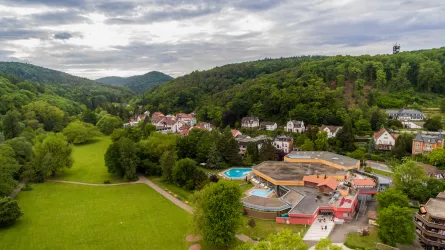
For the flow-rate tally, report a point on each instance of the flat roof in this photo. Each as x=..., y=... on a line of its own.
x=264, y=204
x=324, y=155
x=311, y=201
x=292, y=171
x=435, y=207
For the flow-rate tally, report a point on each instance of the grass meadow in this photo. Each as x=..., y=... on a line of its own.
x=68, y=216
x=89, y=165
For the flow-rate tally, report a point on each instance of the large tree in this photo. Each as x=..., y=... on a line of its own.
x=51, y=155
x=284, y=239
x=391, y=196
x=346, y=137
x=308, y=145
x=268, y=152
x=433, y=124
x=22, y=149
x=108, y=123
x=218, y=212
x=11, y=125
x=326, y=244
x=403, y=145
x=52, y=118
x=9, y=168
x=408, y=175
x=214, y=158
x=187, y=175
x=78, y=132
x=396, y=225
x=437, y=157
x=167, y=162
x=9, y=211
x=121, y=159
x=229, y=148
x=321, y=143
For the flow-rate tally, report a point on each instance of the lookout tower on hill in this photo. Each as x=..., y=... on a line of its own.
x=396, y=48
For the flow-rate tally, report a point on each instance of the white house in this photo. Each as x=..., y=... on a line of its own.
x=250, y=122
x=330, y=130
x=406, y=114
x=295, y=126
x=207, y=126
x=169, y=124
x=186, y=118
x=284, y=143
x=271, y=126
x=384, y=140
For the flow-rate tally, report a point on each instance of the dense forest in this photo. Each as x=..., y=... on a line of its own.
x=77, y=89
x=138, y=83
x=318, y=90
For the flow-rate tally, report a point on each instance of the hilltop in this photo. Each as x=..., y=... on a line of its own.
x=138, y=83
x=316, y=89
x=75, y=88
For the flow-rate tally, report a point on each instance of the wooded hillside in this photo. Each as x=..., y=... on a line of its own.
x=138, y=83
x=75, y=88
x=319, y=90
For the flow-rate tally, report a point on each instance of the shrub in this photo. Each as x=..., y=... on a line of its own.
x=9, y=211
x=368, y=170
x=107, y=182
x=27, y=187
x=214, y=178
x=251, y=223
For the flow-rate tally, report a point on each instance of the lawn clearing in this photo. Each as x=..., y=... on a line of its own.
x=383, y=173
x=356, y=241
x=265, y=227
x=89, y=165
x=68, y=216
x=175, y=189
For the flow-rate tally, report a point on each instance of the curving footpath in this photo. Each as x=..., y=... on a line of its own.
x=143, y=180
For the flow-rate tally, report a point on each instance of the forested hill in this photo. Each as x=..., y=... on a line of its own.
x=318, y=90
x=138, y=83
x=114, y=80
x=75, y=88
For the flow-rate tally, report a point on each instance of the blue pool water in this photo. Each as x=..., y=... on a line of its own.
x=237, y=173
x=261, y=192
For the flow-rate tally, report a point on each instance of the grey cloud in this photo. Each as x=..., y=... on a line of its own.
x=58, y=18
x=116, y=8
x=167, y=14
x=63, y=36
x=7, y=35
x=258, y=5
x=52, y=3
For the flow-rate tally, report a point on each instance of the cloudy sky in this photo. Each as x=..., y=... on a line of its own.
x=96, y=38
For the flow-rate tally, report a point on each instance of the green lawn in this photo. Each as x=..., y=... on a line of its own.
x=265, y=227
x=68, y=216
x=384, y=173
x=356, y=241
x=184, y=194
x=89, y=164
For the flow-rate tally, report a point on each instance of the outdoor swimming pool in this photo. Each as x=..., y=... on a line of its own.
x=237, y=173
x=261, y=192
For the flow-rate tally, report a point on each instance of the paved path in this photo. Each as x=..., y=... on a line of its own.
x=16, y=191
x=143, y=180
x=315, y=233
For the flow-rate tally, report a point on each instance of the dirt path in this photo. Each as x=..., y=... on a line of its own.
x=143, y=180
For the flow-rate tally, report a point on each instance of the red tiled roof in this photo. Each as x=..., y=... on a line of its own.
x=184, y=132
x=331, y=182
x=314, y=179
x=363, y=182
x=183, y=115
x=380, y=133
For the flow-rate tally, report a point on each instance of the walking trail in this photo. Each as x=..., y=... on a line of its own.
x=143, y=180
